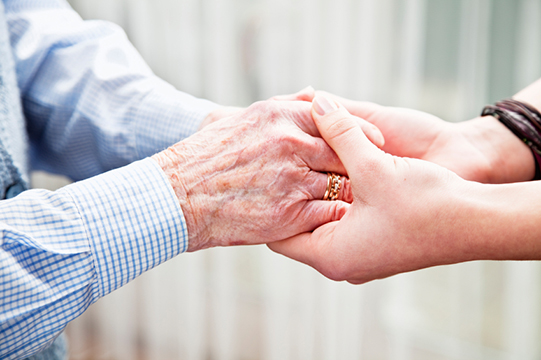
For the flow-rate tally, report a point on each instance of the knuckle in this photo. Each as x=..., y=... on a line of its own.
x=293, y=141
x=347, y=191
x=341, y=127
x=337, y=211
x=265, y=110
x=258, y=106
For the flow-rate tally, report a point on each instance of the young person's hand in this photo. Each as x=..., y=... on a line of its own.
x=407, y=214
x=481, y=149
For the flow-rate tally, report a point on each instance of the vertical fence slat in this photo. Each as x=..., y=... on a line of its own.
x=193, y=338
x=522, y=311
x=141, y=33
x=412, y=53
x=363, y=50
x=151, y=325
x=529, y=46
x=123, y=322
x=220, y=60
x=308, y=62
x=305, y=290
x=278, y=316
x=351, y=322
x=335, y=36
x=185, y=42
x=399, y=316
x=473, y=57
x=224, y=310
x=330, y=327
x=274, y=63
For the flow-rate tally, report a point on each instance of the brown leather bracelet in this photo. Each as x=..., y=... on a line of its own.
x=524, y=121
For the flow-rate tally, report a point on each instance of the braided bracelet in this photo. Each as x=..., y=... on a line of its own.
x=524, y=121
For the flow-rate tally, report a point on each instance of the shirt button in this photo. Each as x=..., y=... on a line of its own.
x=14, y=190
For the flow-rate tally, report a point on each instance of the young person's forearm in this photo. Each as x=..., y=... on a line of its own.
x=496, y=222
x=531, y=95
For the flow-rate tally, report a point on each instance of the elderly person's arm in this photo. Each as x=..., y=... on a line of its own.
x=252, y=178
x=91, y=102
x=408, y=214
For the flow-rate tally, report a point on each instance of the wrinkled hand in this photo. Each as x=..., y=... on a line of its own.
x=255, y=177
x=306, y=94
x=393, y=224
x=481, y=150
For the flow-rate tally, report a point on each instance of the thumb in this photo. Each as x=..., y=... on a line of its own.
x=311, y=249
x=341, y=131
x=363, y=109
x=302, y=248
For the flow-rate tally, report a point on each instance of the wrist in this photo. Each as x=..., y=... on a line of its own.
x=475, y=225
x=498, y=222
x=506, y=157
x=445, y=229
x=173, y=163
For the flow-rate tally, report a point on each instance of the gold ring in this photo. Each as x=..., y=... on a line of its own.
x=334, y=184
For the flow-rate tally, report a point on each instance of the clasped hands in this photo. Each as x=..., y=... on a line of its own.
x=258, y=175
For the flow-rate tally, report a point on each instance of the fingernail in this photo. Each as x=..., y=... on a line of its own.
x=323, y=105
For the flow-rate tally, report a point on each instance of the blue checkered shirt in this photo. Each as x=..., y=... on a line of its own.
x=91, y=105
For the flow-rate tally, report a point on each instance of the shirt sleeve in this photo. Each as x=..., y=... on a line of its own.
x=91, y=102
x=61, y=251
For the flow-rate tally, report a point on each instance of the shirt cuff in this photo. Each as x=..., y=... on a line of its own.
x=133, y=221
x=167, y=116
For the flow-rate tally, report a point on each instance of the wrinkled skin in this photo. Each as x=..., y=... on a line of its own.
x=399, y=218
x=307, y=94
x=254, y=177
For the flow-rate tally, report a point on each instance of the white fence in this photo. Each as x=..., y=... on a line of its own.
x=449, y=57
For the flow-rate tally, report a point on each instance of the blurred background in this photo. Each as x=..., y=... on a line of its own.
x=447, y=57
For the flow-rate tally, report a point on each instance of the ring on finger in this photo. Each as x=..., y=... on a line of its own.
x=334, y=184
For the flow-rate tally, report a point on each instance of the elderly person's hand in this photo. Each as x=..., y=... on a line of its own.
x=306, y=94
x=255, y=177
x=482, y=149
x=409, y=214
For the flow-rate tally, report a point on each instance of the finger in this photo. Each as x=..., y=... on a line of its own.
x=372, y=132
x=319, y=156
x=317, y=213
x=299, y=113
x=296, y=113
x=362, y=109
x=306, y=123
x=317, y=184
x=308, y=248
x=365, y=112
x=306, y=94
x=299, y=248
x=341, y=131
